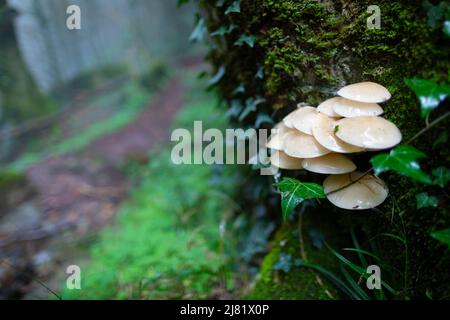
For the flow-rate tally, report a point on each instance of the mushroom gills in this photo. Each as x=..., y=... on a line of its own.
x=349, y=108
x=355, y=191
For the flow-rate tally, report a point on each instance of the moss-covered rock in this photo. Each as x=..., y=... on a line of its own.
x=291, y=243
x=307, y=49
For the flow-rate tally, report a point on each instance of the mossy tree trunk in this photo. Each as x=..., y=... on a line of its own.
x=307, y=49
x=20, y=98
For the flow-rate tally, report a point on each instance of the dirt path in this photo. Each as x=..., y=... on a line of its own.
x=77, y=194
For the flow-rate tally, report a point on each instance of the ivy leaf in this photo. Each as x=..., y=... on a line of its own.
x=293, y=192
x=423, y=200
x=403, y=160
x=217, y=77
x=239, y=89
x=235, y=7
x=441, y=140
x=247, y=39
x=199, y=31
x=250, y=106
x=442, y=235
x=220, y=3
x=442, y=176
x=223, y=30
x=235, y=110
x=436, y=13
x=260, y=73
x=429, y=93
x=263, y=118
x=446, y=28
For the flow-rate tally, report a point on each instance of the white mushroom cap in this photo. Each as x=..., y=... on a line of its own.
x=281, y=127
x=288, y=119
x=281, y=160
x=369, y=92
x=366, y=193
x=327, y=107
x=304, y=119
x=350, y=108
x=333, y=163
x=368, y=132
x=324, y=133
x=276, y=141
x=300, y=145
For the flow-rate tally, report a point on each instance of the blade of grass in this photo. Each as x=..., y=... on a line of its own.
x=334, y=279
x=362, y=253
x=358, y=269
x=356, y=288
x=357, y=246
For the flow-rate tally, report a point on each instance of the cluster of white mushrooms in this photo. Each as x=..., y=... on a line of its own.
x=316, y=139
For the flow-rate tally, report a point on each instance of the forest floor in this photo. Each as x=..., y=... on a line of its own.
x=75, y=194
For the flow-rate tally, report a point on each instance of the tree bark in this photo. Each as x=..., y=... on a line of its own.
x=307, y=50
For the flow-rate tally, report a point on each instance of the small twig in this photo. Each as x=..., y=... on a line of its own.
x=351, y=183
x=26, y=274
x=428, y=127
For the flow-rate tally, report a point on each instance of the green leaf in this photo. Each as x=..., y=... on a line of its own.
x=442, y=176
x=403, y=160
x=429, y=93
x=247, y=39
x=293, y=192
x=235, y=7
x=358, y=269
x=239, y=89
x=260, y=73
x=446, y=28
x=223, y=30
x=442, y=235
x=217, y=77
x=250, y=106
x=441, y=140
x=334, y=279
x=199, y=31
x=263, y=118
x=436, y=13
x=423, y=200
x=235, y=109
x=354, y=285
x=220, y=3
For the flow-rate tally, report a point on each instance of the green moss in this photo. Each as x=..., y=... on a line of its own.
x=10, y=178
x=20, y=99
x=299, y=283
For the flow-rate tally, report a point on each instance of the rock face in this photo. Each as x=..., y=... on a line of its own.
x=303, y=51
x=112, y=32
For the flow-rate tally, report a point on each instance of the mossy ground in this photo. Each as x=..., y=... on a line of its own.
x=308, y=49
x=299, y=282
